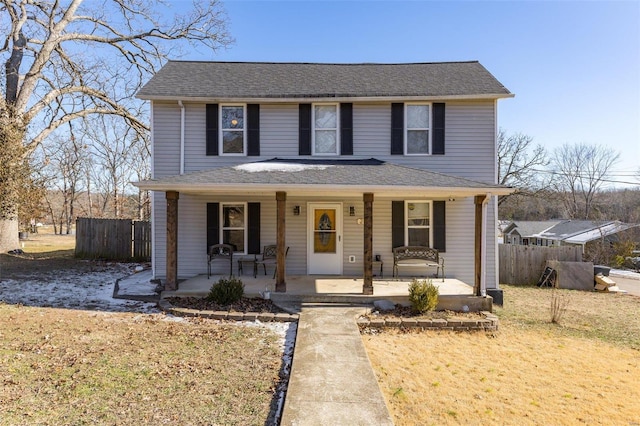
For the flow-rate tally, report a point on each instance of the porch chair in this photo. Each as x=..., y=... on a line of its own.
x=220, y=252
x=269, y=254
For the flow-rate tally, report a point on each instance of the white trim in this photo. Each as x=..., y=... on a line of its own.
x=244, y=228
x=406, y=129
x=221, y=130
x=293, y=100
x=406, y=220
x=152, y=142
x=311, y=206
x=483, y=247
x=182, y=122
x=154, y=260
x=154, y=252
x=313, y=129
x=321, y=189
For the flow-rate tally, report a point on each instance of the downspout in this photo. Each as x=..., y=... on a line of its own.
x=483, y=246
x=182, y=118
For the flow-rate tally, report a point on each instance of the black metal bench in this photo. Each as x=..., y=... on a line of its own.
x=417, y=256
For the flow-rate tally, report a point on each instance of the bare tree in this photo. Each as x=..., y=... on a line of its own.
x=519, y=163
x=113, y=148
x=579, y=172
x=66, y=164
x=67, y=60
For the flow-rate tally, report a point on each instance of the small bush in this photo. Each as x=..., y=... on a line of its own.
x=423, y=295
x=226, y=291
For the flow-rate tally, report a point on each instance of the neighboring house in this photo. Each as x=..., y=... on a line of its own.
x=563, y=232
x=338, y=162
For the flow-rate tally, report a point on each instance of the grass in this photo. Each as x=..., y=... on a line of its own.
x=583, y=370
x=60, y=366
x=45, y=241
x=83, y=367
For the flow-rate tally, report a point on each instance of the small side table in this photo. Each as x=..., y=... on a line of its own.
x=375, y=264
x=246, y=259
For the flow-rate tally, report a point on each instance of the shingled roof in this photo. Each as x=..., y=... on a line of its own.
x=310, y=175
x=256, y=80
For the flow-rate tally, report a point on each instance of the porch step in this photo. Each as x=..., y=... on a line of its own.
x=445, y=302
x=335, y=298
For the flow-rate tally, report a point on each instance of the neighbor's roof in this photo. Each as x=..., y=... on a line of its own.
x=531, y=228
x=571, y=231
x=310, y=176
x=259, y=80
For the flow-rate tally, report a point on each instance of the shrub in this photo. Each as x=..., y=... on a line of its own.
x=423, y=295
x=226, y=291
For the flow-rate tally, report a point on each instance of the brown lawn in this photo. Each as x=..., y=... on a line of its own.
x=586, y=370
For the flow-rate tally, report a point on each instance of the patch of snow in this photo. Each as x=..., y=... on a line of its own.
x=72, y=289
x=94, y=291
x=279, y=167
x=138, y=284
x=624, y=273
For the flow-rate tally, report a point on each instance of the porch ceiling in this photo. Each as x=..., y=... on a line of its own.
x=321, y=178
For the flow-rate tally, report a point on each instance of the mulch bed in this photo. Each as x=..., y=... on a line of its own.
x=244, y=305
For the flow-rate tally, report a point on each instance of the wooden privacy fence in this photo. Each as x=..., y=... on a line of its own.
x=524, y=264
x=113, y=239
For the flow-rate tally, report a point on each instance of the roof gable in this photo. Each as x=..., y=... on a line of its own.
x=255, y=80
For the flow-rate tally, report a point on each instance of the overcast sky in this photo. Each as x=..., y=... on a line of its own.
x=573, y=66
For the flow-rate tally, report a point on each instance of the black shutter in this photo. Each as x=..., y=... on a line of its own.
x=397, y=129
x=397, y=224
x=253, y=226
x=213, y=224
x=346, y=129
x=439, y=232
x=304, y=134
x=253, y=129
x=212, y=129
x=438, y=129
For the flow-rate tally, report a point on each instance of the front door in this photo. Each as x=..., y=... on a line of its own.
x=324, y=254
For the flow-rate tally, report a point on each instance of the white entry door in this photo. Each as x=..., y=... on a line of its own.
x=324, y=254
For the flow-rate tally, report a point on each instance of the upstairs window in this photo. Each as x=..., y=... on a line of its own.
x=232, y=129
x=417, y=137
x=325, y=129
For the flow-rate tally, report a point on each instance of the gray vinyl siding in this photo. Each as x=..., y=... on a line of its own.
x=459, y=257
x=166, y=139
x=470, y=138
x=469, y=147
x=470, y=152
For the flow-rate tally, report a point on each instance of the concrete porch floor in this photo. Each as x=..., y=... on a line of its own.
x=454, y=294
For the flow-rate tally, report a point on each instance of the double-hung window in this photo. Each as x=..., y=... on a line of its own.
x=325, y=133
x=232, y=129
x=417, y=137
x=418, y=223
x=234, y=220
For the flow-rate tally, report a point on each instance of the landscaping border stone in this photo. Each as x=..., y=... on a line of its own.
x=223, y=315
x=488, y=323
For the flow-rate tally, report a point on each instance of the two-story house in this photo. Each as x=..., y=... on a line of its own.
x=338, y=162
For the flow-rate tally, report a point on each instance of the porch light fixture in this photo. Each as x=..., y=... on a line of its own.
x=296, y=210
x=352, y=211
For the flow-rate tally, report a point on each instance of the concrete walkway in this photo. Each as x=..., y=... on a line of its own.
x=332, y=382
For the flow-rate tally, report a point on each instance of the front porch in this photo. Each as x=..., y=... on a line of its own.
x=454, y=294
